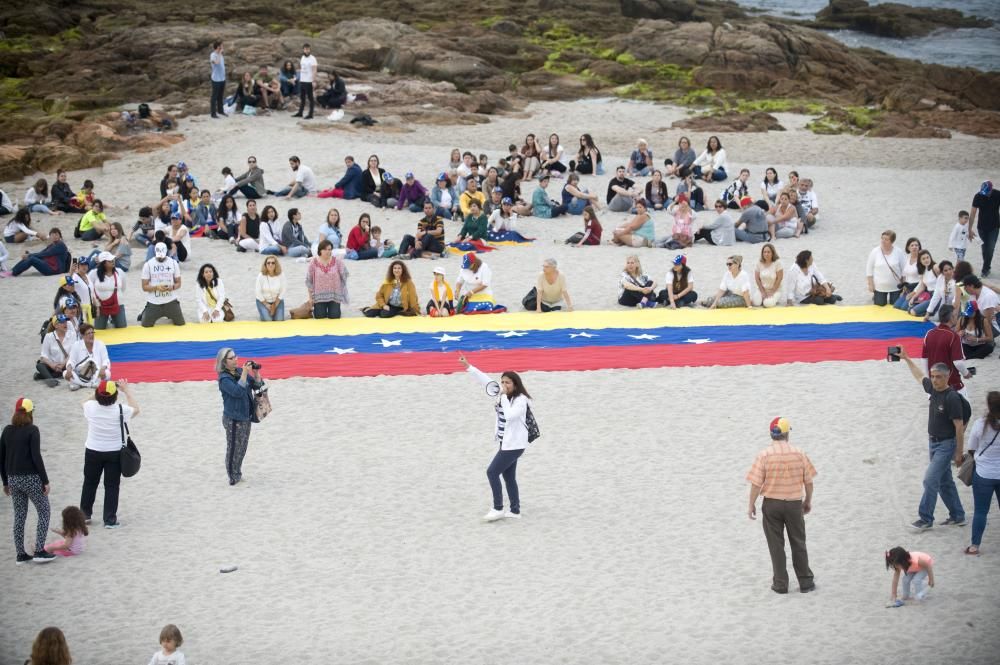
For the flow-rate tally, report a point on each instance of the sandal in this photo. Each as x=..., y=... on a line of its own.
x=972, y=550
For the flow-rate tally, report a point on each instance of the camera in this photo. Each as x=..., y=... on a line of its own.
x=892, y=355
x=254, y=365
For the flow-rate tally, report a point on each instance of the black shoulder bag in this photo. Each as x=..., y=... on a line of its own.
x=129, y=457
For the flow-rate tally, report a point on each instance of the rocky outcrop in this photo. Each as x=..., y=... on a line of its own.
x=731, y=122
x=891, y=19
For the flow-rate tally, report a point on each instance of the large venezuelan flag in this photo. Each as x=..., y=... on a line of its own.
x=558, y=341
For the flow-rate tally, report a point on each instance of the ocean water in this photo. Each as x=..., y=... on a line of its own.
x=966, y=47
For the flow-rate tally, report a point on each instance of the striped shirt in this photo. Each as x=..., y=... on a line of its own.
x=781, y=471
x=501, y=423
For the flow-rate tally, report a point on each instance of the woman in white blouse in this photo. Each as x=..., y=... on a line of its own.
x=88, y=362
x=984, y=443
x=885, y=270
x=734, y=290
x=211, y=295
x=910, y=276
x=270, y=233
x=270, y=291
x=711, y=163
x=768, y=277
x=510, y=435
x=919, y=299
x=943, y=291
x=802, y=277
x=771, y=186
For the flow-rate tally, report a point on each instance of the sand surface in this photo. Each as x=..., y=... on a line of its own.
x=357, y=533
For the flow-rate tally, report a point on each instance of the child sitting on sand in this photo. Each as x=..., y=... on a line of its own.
x=170, y=641
x=74, y=533
x=442, y=302
x=917, y=570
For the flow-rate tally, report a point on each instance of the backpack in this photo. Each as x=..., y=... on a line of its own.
x=143, y=111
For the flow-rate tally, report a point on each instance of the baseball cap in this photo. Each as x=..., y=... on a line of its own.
x=498, y=189
x=70, y=302
x=105, y=256
x=176, y=214
x=443, y=176
x=682, y=197
x=181, y=166
x=62, y=318
x=67, y=280
x=467, y=260
x=507, y=201
x=987, y=188
x=971, y=308
x=439, y=270
x=107, y=388
x=543, y=176
x=388, y=177
x=24, y=404
x=409, y=174
x=780, y=427
x=160, y=249
x=680, y=260
x=745, y=201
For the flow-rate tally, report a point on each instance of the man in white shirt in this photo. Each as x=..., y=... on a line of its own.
x=161, y=277
x=303, y=180
x=307, y=75
x=808, y=204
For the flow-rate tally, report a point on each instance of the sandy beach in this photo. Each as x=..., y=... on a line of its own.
x=358, y=534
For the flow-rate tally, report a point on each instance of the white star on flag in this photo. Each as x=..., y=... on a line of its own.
x=445, y=337
x=581, y=334
x=339, y=351
x=512, y=333
x=702, y=340
x=644, y=336
x=386, y=343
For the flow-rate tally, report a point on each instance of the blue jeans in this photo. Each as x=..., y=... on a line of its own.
x=442, y=212
x=299, y=193
x=920, y=308
x=983, y=490
x=273, y=250
x=717, y=174
x=297, y=251
x=938, y=480
x=265, y=314
x=505, y=464
x=40, y=207
x=576, y=206
x=34, y=262
x=918, y=581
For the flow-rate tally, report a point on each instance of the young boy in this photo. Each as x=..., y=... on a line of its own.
x=170, y=641
x=961, y=234
x=143, y=229
x=385, y=249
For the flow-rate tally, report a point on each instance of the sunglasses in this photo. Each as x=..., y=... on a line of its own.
x=730, y=264
x=251, y=161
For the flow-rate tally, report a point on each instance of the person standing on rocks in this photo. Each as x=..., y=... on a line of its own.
x=307, y=75
x=218, y=62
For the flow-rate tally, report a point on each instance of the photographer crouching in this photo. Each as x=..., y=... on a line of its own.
x=241, y=388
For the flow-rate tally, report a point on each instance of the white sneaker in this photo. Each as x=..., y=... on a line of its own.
x=337, y=114
x=493, y=515
x=74, y=387
x=512, y=516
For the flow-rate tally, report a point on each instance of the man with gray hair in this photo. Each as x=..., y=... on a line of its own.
x=947, y=415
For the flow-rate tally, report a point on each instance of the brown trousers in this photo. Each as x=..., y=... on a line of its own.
x=778, y=517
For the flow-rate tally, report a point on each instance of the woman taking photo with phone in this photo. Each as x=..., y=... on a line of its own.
x=510, y=434
x=237, y=384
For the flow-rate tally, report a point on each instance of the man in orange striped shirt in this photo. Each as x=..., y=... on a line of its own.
x=782, y=473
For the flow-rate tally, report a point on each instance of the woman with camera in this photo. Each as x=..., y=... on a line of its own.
x=237, y=384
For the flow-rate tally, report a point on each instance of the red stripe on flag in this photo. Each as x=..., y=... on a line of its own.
x=521, y=360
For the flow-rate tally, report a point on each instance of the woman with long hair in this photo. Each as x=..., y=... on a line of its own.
x=511, y=434
x=211, y=295
x=107, y=284
x=36, y=199
x=588, y=158
x=976, y=343
x=396, y=296
x=984, y=443
x=530, y=153
x=237, y=384
x=552, y=156
x=25, y=479
x=359, y=240
x=768, y=276
x=711, y=164
x=270, y=290
x=680, y=286
x=635, y=288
